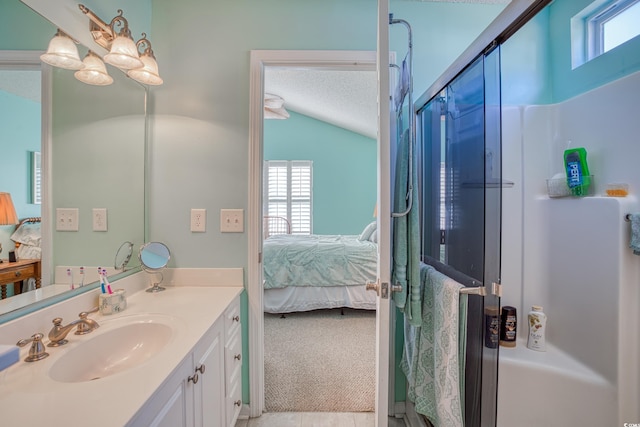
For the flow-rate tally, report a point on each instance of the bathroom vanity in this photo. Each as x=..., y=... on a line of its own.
x=172, y=358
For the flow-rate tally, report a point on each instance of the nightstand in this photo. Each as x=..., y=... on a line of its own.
x=16, y=273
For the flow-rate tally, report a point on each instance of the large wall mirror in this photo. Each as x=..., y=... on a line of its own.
x=92, y=157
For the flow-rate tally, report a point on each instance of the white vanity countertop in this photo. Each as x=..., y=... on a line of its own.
x=28, y=395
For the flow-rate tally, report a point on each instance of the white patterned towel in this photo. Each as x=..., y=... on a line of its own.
x=435, y=370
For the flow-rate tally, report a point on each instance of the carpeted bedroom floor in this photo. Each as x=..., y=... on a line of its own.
x=320, y=361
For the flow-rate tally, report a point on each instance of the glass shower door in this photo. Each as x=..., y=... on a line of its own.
x=461, y=192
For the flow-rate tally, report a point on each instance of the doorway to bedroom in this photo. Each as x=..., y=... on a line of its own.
x=319, y=238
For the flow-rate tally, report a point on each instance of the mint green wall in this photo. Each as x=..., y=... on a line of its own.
x=525, y=64
x=344, y=169
x=200, y=116
x=441, y=32
x=19, y=135
x=618, y=62
x=21, y=28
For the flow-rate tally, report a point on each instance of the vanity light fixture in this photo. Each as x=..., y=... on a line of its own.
x=123, y=52
x=149, y=73
x=62, y=52
x=94, y=71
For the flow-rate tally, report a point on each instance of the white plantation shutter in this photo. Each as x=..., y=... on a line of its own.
x=287, y=192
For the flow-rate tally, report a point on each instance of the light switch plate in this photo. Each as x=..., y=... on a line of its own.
x=99, y=219
x=67, y=219
x=232, y=220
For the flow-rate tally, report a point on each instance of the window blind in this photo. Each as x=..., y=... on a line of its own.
x=288, y=192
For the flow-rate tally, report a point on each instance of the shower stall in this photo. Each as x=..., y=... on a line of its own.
x=489, y=138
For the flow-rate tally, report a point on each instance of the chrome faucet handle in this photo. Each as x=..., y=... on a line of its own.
x=37, y=350
x=86, y=325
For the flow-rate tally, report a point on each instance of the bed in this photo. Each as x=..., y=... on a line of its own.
x=27, y=238
x=311, y=272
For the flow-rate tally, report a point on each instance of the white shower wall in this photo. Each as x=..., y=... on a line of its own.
x=571, y=255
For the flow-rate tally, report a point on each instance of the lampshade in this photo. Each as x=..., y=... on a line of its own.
x=62, y=53
x=149, y=73
x=124, y=53
x=8, y=214
x=94, y=71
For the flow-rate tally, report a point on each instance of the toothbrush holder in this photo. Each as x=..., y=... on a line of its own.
x=112, y=303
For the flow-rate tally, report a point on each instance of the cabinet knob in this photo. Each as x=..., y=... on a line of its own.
x=200, y=369
x=193, y=379
x=238, y=402
x=18, y=273
x=236, y=318
x=238, y=356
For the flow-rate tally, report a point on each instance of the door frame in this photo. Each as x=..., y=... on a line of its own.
x=334, y=59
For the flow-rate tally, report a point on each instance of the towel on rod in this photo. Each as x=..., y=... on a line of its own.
x=635, y=232
x=406, y=236
x=435, y=368
x=402, y=88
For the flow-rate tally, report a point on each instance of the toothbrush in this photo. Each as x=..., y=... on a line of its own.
x=101, y=281
x=70, y=274
x=104, y=274
x=81, y=277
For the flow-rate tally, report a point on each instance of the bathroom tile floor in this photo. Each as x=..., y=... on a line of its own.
x=316, y=419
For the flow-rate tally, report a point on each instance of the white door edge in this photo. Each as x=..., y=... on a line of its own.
x=364, y=60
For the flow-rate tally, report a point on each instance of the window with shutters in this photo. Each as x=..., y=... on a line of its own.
x=288, y=192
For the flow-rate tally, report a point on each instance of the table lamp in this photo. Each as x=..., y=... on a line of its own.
x=8, y=214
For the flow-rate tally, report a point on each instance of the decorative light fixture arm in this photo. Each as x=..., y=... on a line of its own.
x=146, y=45
x=123, y=22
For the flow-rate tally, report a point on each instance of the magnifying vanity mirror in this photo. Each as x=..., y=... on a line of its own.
x=92, y=147
x=123, y=256
x=154, y=257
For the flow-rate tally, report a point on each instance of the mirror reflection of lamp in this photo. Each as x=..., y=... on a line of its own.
x=8, y=214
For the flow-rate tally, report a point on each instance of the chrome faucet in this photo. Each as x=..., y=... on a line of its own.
x=58, y=334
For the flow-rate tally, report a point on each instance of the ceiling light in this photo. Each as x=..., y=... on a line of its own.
x=62, y=52
x=274, y=107
x=148, y=74
x=94, y=71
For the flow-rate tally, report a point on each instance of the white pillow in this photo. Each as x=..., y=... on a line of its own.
x=368, y=231
x=27, y=234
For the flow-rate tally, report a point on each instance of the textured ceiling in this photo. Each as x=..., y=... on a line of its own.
x=342, y=98
x=25, y=84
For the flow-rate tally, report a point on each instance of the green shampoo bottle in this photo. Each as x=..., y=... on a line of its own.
x=578, y=177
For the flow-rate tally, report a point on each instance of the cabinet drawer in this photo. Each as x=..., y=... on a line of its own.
x=234, y=404
x=232, y=319
x=18, y=274
x=233, y=362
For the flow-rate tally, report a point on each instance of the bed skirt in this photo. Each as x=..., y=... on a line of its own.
x=307, y=298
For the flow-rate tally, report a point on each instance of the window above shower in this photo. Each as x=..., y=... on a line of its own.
x=601, y=27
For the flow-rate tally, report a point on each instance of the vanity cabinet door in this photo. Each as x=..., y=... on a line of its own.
x=172, y=404
x=209, y=390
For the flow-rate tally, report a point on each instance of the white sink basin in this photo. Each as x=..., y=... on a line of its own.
x=112, y=352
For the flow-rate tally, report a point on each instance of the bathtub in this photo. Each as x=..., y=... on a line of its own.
x=551, y=389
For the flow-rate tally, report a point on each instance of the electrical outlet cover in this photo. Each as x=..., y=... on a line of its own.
x=99, y=219
x=198, y=220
